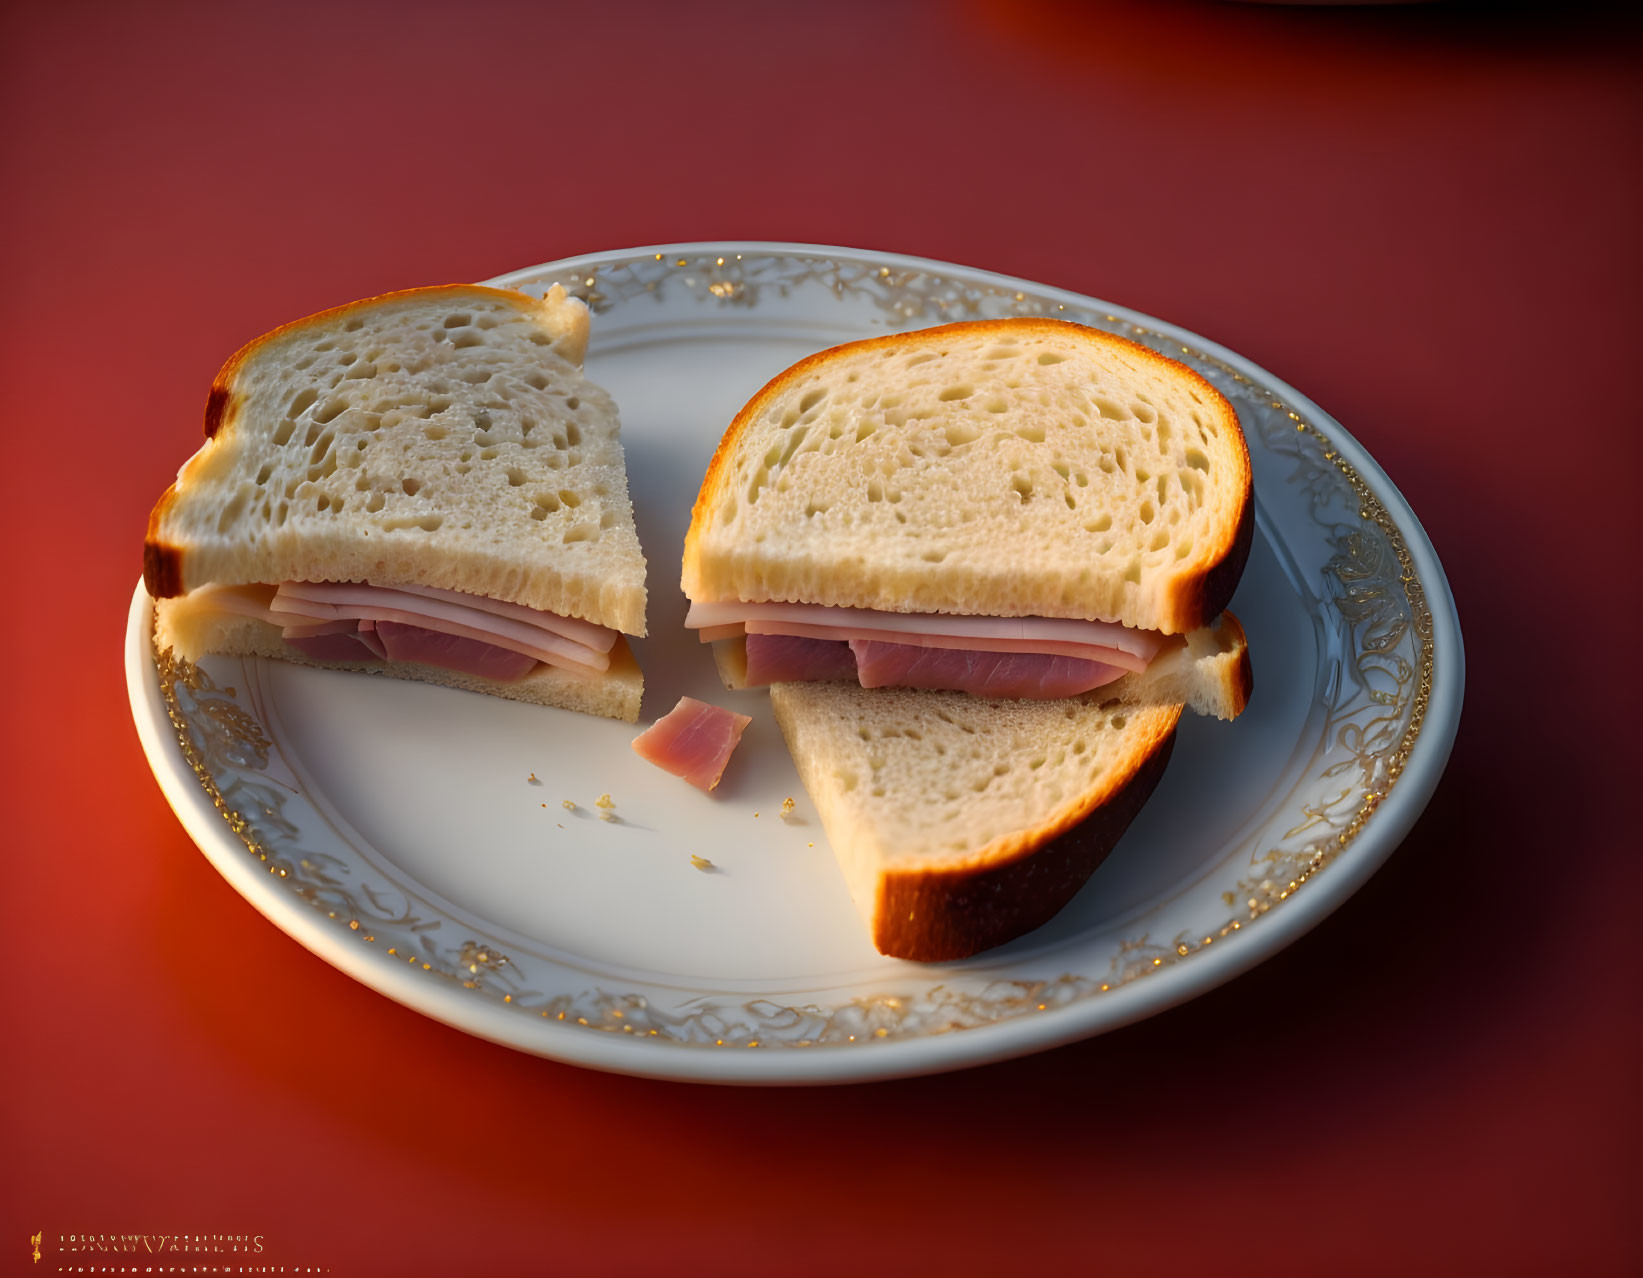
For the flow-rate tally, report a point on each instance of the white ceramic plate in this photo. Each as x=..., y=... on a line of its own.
x=391, y=827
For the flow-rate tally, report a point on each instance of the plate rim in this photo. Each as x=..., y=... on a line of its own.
x=1171, y=985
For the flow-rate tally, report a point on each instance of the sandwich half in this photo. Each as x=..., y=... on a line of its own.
x=422, y=485
x=983, y=568
x=1014, y=508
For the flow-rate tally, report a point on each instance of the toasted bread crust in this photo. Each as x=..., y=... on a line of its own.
x=1195, y=598
x=940, y=915
x=1215, y=589
x=216, y=407
x=1241, y=683
x=162, y=562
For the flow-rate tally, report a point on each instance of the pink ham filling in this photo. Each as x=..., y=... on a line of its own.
x=1035, y=657
x=369, y=642
x=1036, y=676
x=787, y=659
x=1049, y=647
x=599, y=638
x=546, y=637
x=452, y=652
x=331, y=641
x=1069, y=636
x=367, y=635
x=395, y=616
x=355, y=623
x=694, y=741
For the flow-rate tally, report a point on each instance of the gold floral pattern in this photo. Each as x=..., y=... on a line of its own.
x=1371, y=597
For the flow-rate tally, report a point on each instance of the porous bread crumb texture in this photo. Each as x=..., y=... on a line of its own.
x=960, y=823
x=192, y=632
x=1008, y=468
x=442, y=437
x=907, y=778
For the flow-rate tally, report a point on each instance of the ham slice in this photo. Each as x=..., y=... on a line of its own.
x=585, y=633
x=335, y=601
x=875, y=664
x=331, y=641
x=1139, y=644
x=790, y=659
x=694, y=740
x=1051, y=647
x=1034, y=676
x=367, y=635
x=297, y=607
x=452, y=652
x=355, y=623
x=350, y=641
x=309, y=631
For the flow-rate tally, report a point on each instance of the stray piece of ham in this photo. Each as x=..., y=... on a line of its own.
x=1034, y=676
x=694, y=740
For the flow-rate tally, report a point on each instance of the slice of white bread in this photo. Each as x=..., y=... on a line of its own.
x=1020, y=467
x=438, y=436
x=192, y=632
x=1207, y=670
x=961, y=823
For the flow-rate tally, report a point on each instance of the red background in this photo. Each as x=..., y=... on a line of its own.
x=1425, y=218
